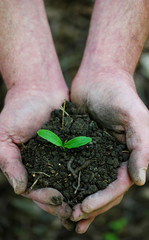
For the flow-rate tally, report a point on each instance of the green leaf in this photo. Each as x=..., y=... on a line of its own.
x=118, y=225
x=51, y=137
x=110, y=236
x=65, y=142
x=77, y=142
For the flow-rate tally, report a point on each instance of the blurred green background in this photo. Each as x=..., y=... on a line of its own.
x=20, y=219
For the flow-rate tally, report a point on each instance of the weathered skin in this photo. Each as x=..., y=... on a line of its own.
x=32, y=74
x=104, y=84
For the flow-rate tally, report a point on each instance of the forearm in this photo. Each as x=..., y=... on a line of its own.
x=118, y=31
x=26, y=44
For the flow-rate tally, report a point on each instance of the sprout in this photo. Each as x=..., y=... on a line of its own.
x=73, y=143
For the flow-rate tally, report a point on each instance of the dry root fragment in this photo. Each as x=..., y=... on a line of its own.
x=42, y=173
x=78, y=169
x=77, y=188
x=33, y=185
x=70, y=168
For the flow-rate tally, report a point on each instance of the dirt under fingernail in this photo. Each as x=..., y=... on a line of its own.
x=57, y=200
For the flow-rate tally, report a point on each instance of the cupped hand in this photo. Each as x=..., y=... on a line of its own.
x=112, y=100
x=24, y=112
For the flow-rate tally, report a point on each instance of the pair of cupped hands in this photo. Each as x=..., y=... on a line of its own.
x=111, y=98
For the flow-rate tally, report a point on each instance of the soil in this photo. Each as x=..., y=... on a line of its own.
x=20, y=217
x=78, y=172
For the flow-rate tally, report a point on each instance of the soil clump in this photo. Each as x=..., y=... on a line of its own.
x=76, y=173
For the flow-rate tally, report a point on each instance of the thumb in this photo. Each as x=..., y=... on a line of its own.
x=138, y=164
x=12, y=167
x=137, y=138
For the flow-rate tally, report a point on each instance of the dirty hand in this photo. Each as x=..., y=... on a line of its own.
x=24, y=113
x=113, y=102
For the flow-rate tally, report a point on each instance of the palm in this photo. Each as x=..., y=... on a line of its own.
x=115, y=104
x=24, y=113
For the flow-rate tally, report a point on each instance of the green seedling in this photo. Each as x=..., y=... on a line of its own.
x=73, y=143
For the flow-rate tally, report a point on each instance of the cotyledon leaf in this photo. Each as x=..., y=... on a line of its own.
x=77, y=142
x=50, y=136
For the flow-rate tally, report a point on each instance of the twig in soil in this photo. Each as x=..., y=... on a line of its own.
x=50, y=164
x=63, y=108
x=42, y=173
x=78, y=169
x=70, y=168
x=23, y=145
x=33, y=185
x=110, y=147
x=75, y=192
x=82, y=115
x=107, y=133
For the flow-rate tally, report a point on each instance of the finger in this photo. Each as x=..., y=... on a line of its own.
x=46, y=196
x=113, y=190
x=78, y=214
x=137, y=136
x=83, y=225
x=107, y=207
x=12, y=167
x=62, y=211
x=138, y=164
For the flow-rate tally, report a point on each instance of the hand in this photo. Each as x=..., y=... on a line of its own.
x=112, y=100
x=24, y=113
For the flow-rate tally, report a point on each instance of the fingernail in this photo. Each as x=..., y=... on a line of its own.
x=14, y=183
x=142, y=176
x=18, y=186
x=80, y=217
x=78, y=230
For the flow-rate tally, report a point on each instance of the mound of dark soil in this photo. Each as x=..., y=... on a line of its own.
x=76, y=173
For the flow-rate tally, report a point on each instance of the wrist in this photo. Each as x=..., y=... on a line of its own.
x=108, y=74
x=28, y=56
x=48, y=92
x=117, y=34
